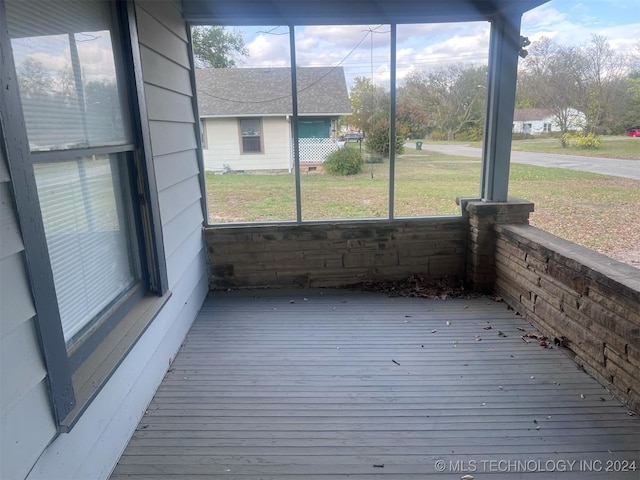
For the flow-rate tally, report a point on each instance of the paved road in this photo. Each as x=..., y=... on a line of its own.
x=608, y=166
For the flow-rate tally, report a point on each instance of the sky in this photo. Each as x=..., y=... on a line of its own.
x=363, y=50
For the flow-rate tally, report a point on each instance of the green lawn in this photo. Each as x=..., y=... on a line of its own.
x=597, y=211
x=612, y=147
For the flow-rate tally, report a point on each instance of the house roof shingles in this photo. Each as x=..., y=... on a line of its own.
x=233, y=92
x=531, y=114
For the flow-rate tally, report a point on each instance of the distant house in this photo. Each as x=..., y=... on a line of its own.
x=535, y=121
x=245, y=116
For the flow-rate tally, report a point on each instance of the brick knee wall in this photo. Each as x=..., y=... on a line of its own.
x=570, y=291
x=326, y=254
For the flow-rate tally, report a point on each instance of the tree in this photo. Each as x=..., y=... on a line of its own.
x=592, y=78
x=605, y=84
x=553, y=77
x=453, y=96
x=378, y=138
x=369, y=103
x=34, y=79
x=217, y=47
x=411, y=118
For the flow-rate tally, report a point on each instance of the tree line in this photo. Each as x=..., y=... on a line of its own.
x=448, y=102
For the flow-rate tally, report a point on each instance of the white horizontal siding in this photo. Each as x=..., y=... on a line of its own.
x=22, y=343
x=176, y=268
x=26, y=423
x=175, y=199
x=178, y=229
x=25, y=431
x=223, y=145
x=16, y=302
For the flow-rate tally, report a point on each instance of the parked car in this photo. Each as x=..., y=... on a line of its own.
x=633, y=132
x=353, y=137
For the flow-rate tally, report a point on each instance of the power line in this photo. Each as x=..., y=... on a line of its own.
x=331, y=70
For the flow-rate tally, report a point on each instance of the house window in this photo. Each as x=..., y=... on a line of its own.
x=546, y=127
x=89, y=176
x=251, y=135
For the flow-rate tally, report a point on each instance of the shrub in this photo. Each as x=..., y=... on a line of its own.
x=346, y=161
x=378, y=139
x=581, y=140
x=437, y=136
x=470, y=134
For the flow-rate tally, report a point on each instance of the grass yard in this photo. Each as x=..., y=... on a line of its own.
x=596, y=211
x=612, y=147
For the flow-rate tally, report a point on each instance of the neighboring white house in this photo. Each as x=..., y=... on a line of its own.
x=245, y=116
x=535, y=121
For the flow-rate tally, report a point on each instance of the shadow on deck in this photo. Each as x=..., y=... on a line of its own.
x=328, y=384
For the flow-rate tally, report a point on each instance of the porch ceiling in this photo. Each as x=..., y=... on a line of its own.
x=303, y=384
x=335, y=12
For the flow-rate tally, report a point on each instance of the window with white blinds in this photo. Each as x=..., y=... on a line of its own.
x=80, y=140
x=87, y=228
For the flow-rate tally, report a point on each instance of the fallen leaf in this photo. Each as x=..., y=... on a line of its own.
x=501, y=334
x=487, y=327
x=395, y=361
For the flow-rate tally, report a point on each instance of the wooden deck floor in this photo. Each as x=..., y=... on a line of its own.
x=298, y=385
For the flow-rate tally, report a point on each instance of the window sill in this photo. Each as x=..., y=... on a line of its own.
x=98, y=367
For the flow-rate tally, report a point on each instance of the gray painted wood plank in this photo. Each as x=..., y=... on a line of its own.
x=304, y=385
x=178, y=199
x=167, y=13
x=164, y=72
x=176, y=167
x=156, y=36
x=170, y=137
x=9, y=229
x=165, y=105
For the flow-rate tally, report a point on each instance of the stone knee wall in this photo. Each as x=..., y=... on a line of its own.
x=573, y=292
x=326, y=254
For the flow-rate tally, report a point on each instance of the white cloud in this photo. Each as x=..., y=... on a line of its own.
x=269, y=51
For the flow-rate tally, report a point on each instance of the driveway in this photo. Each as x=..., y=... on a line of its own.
x=607, y=166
